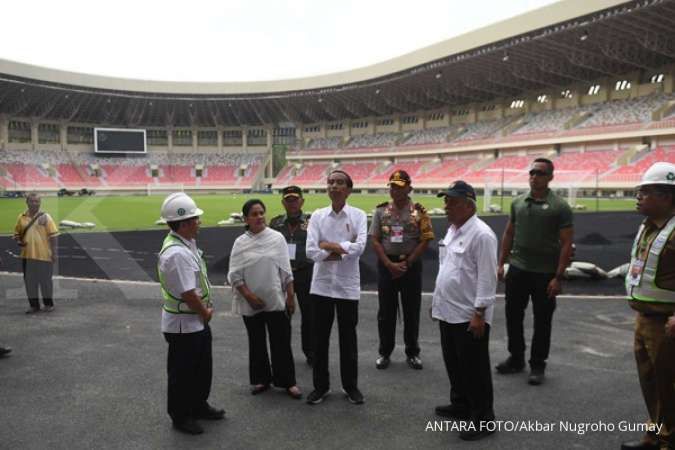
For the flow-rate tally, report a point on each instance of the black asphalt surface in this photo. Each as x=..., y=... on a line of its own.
x=601, y=238
x=92, y=374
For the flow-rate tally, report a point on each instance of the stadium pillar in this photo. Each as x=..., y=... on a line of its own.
x=63, y=136
x=3, y=131
x=195, y=141
x=34, y=134
x=219, y=130
x=169, y=138
x=668, y=82
x=244, y=138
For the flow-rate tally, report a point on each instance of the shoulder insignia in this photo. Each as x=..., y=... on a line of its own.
x=420, y=208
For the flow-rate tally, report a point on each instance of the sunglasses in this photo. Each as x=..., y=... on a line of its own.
x=538, y=173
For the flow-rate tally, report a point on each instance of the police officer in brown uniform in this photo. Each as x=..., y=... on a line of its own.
x=400, y=233
x=650, y=285
x=293, y=226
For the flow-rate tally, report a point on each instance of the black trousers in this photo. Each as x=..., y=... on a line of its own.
x=520, y=286
x=467, y=361
x=282, y=370
x=37, y=276
x=347, y=318
x=302, y=280
x=190, y=369
x=410, y=288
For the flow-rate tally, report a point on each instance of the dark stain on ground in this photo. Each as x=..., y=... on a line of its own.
x=594, y=239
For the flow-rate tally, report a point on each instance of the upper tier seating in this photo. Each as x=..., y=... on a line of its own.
x=373, y=140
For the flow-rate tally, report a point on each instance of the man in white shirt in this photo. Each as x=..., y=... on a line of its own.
x=336, y=238
x=463, y=302
x=186, y=314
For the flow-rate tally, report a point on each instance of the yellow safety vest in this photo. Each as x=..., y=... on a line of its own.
x=641, y=284
x=176, y=305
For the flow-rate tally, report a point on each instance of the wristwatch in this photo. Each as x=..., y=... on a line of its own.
x=480, y=313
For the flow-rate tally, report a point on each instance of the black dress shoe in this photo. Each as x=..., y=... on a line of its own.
x=536, y=377
x=210, y=413
x=510, y=365
x=452, y=412
x=4, y=351
x=188, y=426
x=382, y=362
x=640, y=445
x=414, y=362
x=354, y=395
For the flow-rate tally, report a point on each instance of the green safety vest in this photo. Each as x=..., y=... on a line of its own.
x=176, y=305
x=646, y=290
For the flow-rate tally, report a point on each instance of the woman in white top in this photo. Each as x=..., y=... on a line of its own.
x=262, y=280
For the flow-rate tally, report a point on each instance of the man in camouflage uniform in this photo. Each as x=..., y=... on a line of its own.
x=400, y=233
x=293, y=225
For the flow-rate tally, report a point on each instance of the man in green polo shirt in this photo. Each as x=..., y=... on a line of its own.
x=537, y=243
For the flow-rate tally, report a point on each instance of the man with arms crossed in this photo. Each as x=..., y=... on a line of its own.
x=336, y=238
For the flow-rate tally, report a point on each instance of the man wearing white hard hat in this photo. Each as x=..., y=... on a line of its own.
x=186, y=314
x=650, y=285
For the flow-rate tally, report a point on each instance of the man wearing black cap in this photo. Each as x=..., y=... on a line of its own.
x=400, y=233
x=293, y=225
x=463, y=302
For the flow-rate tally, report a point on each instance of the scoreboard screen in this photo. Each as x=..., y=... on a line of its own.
x=119, y=140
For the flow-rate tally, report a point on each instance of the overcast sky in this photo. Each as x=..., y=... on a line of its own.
x=234, y=40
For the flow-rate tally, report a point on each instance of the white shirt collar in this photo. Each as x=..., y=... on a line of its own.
x=466, y=226
x=342, y=211
x=190, y=243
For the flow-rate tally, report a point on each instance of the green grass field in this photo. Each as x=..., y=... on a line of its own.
x=141, y=212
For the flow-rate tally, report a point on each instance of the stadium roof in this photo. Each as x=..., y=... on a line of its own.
x=552, y=47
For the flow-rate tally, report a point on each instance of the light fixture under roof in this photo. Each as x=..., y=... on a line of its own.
x=439, y=75
x=583, y=36
x=505, y=57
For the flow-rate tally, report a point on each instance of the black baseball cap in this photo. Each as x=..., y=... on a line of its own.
x=400, y=178
x=459, y=188
x=291, y=191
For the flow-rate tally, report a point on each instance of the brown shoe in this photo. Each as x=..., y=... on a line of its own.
x=294, y=392
x=259, y=389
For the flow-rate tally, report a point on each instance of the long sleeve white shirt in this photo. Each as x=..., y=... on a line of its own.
x=467, y=276
x=337, y=279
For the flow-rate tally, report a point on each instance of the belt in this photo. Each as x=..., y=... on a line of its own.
x=397, y=257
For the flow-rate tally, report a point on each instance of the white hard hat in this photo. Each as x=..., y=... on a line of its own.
x=179, y=206
x=659, y=173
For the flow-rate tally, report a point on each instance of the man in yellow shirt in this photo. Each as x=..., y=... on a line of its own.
x=35, y=232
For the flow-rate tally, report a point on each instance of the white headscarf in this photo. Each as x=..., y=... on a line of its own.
x=249, y=249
